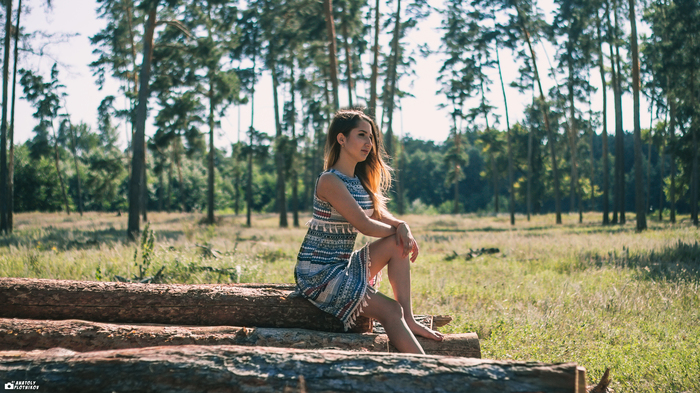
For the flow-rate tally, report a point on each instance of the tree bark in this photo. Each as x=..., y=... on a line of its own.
x=77, y=169
x=511, y=200
x=672, y=156
x=83, y=336
x=573, y=132
x=348, y=57
x=375, y=64
x=138, y=159
x=330, y=27
x=192, y=368
x=293, y=170
x=619, y=130
x=11, y=133
x=638, y=168
x=606, y=161
x=389, y=138
x=279, y=150
x=649, y=146
x=3, y=127
x=251, y=131
x=210, y=157
x=694, y=133
x=238, y=305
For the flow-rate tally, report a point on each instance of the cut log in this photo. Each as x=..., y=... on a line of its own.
x=83, y=336
x=256, y=305
x=195, y=368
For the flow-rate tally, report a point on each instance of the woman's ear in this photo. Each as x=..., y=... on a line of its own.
x=340, y=138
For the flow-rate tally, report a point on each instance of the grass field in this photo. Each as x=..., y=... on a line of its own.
x=598, y=296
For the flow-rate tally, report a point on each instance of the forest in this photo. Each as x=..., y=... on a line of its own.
x=181, y=64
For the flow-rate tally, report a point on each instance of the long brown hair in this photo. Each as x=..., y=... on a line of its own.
x=374, y=173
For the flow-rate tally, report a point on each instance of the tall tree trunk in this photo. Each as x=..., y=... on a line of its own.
x=619, y=130
x=169, y=192
x=129, y=11
x=511, y=200
x=649, y=145
x=330, y=27
x=181, y=185
x=393, y=71
x=11, y=134
x=348, y=57
x=694, y=134
x=458, y=142
x=530, y=138
x=543, y=102
x=279, y=149
x=375, y=64
x=58, y=173
x=616, y=92
x=293, y=169
x=638, y=168
x=606, y=158
x=77, y=169
x=144, y=184
x=591, y=158
x=210, y=157
x=661, y=173
x=672, y=156
x=251, y=131
x=573, y=133
x=138, y=160
x=606, y=161
x=3, y=128
x=494, y=179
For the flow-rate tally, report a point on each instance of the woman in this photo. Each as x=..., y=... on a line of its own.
x=349, y=197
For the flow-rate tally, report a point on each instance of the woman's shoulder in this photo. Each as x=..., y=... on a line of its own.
x=329, y=179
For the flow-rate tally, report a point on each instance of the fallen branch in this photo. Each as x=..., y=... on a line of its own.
x=82, y=336
x=258, y=369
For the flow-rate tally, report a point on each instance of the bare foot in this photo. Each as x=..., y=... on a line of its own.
x=420, y=330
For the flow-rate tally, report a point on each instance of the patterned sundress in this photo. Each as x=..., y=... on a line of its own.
x=328, y=272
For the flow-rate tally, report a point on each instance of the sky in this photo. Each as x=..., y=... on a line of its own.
x=419, y=116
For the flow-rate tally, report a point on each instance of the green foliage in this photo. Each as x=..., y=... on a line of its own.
x=36, y=185
x=147, y=252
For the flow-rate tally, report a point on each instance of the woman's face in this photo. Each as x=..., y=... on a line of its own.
x=359, y=142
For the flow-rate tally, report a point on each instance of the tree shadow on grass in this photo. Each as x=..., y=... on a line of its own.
x=675, y=262
x=64, y=239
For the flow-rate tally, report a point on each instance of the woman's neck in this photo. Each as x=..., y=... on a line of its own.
x=345, y=166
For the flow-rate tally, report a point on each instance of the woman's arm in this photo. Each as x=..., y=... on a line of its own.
x=404, y=237
x=331, y=189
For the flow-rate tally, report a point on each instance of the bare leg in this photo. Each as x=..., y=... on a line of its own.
x=385, y=252
x=389, y=313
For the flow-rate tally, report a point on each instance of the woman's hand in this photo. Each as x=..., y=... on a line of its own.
x=405, y=238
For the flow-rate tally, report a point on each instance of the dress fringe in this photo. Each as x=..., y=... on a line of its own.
x=371, y=281
x=345, y=228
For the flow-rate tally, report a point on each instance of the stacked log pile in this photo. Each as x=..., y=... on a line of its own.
x=158, y=337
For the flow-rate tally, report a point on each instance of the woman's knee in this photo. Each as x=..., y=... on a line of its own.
x=397, y=247
x=393, y=311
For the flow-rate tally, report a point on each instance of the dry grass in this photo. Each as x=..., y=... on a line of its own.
x=598, y=296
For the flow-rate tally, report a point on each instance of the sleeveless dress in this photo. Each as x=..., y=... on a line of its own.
x=328, y=272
